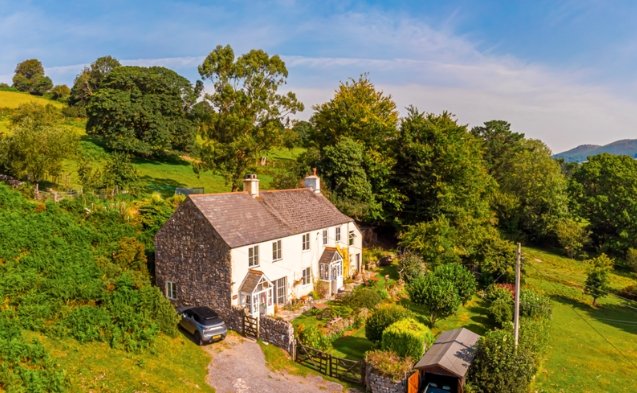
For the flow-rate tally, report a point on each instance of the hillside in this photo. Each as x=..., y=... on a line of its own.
x=13, y=99
x=626, y=147
x=77, y=299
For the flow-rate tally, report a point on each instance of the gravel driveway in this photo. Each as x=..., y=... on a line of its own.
x=238, y=365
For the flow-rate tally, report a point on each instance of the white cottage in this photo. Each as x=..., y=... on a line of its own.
x=255, y=248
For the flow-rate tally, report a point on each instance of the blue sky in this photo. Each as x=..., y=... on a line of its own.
x=560, y=71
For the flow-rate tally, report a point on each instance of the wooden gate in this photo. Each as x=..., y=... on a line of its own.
x=251, y=327
x=323, y=362
x=413, y=382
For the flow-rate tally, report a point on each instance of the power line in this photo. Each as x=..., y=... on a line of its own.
x=628, y=360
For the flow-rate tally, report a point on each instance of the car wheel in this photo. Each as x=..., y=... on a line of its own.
x=198, y=338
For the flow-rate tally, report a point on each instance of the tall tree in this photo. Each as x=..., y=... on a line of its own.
x=89, y=80
x=37, y=144
x=29, y=77
x=143, y=110
x=532, y=194
x=366, y=117
x=603, y=192
x=245, y=113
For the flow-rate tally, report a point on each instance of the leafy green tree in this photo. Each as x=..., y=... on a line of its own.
x=90, y=79
x=597, y=281
x=572, y=236
x=29, y=77
x=358, y=118
x=142, y=110
x=410, y=266
x=532, y=194
x=462, y=279
x=435, y=241
x=37, y=144
x=119, y=173
x=245, y=115
x=60, y=93
x=437, y=295
x=603, y=191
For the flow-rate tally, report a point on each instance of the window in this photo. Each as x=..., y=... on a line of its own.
x=306, y=241
x=171, y=290
x=324, y=236
x=338, y=234
x=281, y=292
x=276, y=250
x=351, y=238
x=307, y=276
x=253, y=256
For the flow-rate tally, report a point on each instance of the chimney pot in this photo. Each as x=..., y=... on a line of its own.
x=251, y=185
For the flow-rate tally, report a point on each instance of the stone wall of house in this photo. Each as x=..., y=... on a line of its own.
x=277, y=332
x=376, y=383
x=190, y=253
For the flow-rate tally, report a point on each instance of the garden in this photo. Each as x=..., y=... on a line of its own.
x=392, y=318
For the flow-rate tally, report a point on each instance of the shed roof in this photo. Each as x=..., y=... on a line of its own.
x=241, y=219
x=453, y=351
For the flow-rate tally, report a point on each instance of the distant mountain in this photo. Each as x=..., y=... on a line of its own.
x=627, y=147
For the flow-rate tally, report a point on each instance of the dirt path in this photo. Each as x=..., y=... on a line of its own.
x=238, y=366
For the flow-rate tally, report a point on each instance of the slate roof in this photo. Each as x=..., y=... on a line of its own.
x=328, y=255
x=454, y=351
x=241, y=219
x=251, y=281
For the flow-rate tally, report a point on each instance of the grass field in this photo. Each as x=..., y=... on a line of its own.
x=592, y=349
x=175, y=364
x=12, y=99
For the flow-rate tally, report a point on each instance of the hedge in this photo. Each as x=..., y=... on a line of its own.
x=382, y=317
x=407, y=337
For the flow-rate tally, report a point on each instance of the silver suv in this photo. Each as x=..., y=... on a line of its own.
x=204, y=324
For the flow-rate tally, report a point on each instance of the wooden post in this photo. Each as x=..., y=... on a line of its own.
x=516, y=315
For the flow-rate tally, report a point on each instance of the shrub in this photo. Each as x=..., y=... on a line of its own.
x=462, y=279
x=362, y=297
x=439, y=296
x=629, y=292
x=534, y=305
x=498, y=367
x=407, y=337
x=389, y=364
x=501, y=311
x=572, y=236
x=410, y=266
x=382, y=317
x=88, y=323
x=312, y=337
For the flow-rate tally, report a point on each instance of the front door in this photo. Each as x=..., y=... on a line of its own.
x=263, y=303
x=337, y=277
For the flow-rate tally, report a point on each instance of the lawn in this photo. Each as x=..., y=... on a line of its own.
x=175, y=364
x=592, y=349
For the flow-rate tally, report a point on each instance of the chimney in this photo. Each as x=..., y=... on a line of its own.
x=313, y=182
x=251, y=185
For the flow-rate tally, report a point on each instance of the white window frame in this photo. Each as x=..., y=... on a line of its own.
x=306, y=242
x=171, y=290
x=277, y=251
x=338, y=234
x=351, y=238
x=306, y=276
x=325, y=238
x=253, y=256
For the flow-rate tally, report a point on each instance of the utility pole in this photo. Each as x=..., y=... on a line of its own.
x=516, y=315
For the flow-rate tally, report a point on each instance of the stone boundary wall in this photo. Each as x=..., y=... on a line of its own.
x=376, y=383
x=277, y=332
x=234, y=318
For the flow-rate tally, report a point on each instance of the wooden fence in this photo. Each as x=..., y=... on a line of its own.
x=344, y=369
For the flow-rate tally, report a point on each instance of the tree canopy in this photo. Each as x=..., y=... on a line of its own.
x=29, y=77
x=244, y=115
x=89, y=80
x=143, y=111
